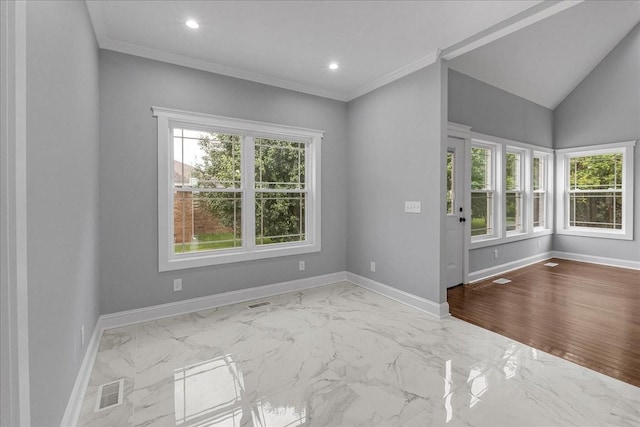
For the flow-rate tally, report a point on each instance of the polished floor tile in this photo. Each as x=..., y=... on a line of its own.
x=340, y=355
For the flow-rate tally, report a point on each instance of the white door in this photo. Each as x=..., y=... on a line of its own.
x=456, y=213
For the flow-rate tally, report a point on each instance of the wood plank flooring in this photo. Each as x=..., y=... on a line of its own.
x=588, y=314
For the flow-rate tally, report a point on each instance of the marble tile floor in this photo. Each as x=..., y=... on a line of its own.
x=340, y=355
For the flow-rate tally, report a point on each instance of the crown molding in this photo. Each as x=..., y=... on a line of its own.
x=530, y=16
x=96, y=15
x=212, y=67
x=401, y=72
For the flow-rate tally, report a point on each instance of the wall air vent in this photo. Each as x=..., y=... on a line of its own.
x=259, y=304
x=109, y=395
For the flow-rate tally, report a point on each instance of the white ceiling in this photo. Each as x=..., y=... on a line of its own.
x=290, y=43
x=544, y=62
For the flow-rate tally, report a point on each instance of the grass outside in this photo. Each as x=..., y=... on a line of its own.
x=207, y=242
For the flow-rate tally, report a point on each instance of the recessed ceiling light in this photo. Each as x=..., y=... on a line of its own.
x=192, y=24
x=333, y=66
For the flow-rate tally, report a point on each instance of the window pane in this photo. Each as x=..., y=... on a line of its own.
x=601, y=172
x=595, y=185
x=596, y=209
x=450, y=178
x=280, y=217
x=206, y=221
x=539, y=209
x=481, y=213
x=538, y=173
x=513, y=172
x=279, y=164
x=514, y=211
x=480, y=168
x=205, y=159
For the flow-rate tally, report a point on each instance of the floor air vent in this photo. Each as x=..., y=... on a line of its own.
x=260, y=304
x=551, y=264
x=502, y=281
x=109, y=395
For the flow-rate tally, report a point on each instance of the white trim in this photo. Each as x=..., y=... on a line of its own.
x=626, y=148
x=457, y=130
x=234, y=123
x=476, y=276
x=592, y=259
x=515, y=23
x=212, y=67
x=589, y=148
x=124, y=318
x=13, y=206
x=523, y=19
x=426, y=306
x=483, y=137
x=145, y=314
x=500, y=147
x=463, y=133
x=74, y=405
x=96, y=15
x=167, y=259
x=394, y=75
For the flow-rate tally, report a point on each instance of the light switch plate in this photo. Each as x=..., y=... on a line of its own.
x=412, y=207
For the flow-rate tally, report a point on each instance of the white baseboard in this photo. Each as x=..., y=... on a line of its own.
x=509, y=266
x=155, y=312
x=635, y=265
x=124, y=318
x=434, y=309
x=74, y=406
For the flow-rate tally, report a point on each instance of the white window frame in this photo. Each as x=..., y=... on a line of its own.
x=527, y=151
x=248, y=129
x=494, y=188
x=625, y=148
x=524, y=188
x=547, y=179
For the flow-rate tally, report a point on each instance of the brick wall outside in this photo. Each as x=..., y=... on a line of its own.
x=197, y=219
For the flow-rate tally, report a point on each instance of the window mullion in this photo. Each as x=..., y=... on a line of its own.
x=248, y=193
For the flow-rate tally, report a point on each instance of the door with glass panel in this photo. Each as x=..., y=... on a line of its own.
x=455, y=211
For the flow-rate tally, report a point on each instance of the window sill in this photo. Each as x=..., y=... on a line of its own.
x=484, y=242
x=508, y=239
x=204, y=259
x=599, y=234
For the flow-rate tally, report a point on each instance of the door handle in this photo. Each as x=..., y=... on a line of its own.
x=463, y=219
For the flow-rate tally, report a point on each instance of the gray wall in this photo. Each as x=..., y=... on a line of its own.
x=605, y=107
x=62, y=199
x=493, y=111
x=395, y=154
x=129, y=86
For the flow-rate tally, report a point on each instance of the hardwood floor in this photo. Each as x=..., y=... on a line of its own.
x=586, y=313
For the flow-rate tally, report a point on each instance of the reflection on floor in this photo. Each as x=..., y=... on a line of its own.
x=340, y=355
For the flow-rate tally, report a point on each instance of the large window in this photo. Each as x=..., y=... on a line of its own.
x=597, y=188
x=233, y=190
x=510, y=191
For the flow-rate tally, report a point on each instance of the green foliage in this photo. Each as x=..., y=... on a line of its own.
x=220, y=169
x=480, y=163
x=599, y=172
x=279, y=165
x=597, y=181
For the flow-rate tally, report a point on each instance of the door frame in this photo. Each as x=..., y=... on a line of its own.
x=14, y=333
x=463, y=132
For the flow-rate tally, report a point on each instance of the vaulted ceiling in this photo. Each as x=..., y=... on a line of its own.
x=537, y=50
